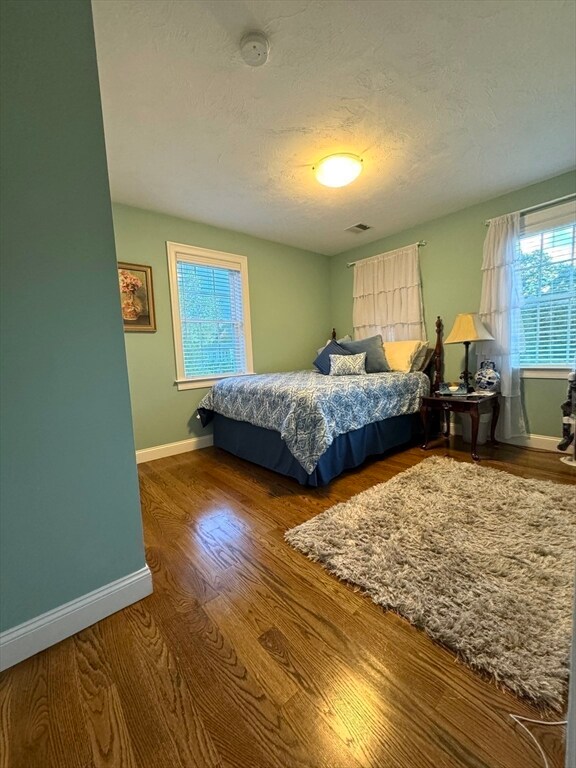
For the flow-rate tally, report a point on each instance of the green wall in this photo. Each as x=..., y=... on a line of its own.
x=289, y=304
x=70, y=514
x=451, y=283
x=297, y=296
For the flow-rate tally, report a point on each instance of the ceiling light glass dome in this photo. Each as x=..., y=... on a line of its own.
x=338, y=170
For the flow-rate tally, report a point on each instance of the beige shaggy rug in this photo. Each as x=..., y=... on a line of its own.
x=482, y=560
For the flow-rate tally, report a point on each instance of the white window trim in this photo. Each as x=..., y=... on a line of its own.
x=552, y=215
x=206, y=382
x=541, y=372
x=196, y=255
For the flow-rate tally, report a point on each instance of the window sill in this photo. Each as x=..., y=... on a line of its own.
x=206, y=383
x=545, y=373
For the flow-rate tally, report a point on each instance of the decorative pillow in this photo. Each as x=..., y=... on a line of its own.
x=351, y=365
x=426, y=360
x=375, y=358
x=322, y=362
x=420, y=357
x=402, y=355
x=344, y=338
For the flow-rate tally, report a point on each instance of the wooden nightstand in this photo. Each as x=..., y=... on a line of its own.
x=473, y=404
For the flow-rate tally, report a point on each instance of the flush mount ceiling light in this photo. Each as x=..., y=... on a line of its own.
x=338, y=170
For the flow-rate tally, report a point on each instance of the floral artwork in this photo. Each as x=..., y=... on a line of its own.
x=129, y=283
x=136, y=297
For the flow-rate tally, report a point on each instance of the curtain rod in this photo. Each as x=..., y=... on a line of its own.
x=420, y=244
x=537, y=207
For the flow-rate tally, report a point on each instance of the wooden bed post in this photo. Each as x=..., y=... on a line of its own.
x=438, y=356
x=334, y=334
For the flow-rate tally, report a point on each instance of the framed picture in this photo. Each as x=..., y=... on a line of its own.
x=137, y=297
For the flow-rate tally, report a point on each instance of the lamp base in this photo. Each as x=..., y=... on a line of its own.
x=466, y=375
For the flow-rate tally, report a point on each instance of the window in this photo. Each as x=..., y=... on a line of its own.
x=210, y=315
x=547, y=270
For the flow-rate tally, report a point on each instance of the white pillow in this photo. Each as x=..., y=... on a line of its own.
x=348, y=365
x=402, y=355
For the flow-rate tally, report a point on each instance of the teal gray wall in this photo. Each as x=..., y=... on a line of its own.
x=70, y=513
x=451, y=283
x=289, y=303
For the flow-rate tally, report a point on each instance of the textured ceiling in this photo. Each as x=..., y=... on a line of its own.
x=449, y=102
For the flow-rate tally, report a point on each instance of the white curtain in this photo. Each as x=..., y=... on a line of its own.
x=500, y=312
x=388, y=296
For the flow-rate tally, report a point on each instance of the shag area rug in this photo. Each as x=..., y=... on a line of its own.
x=482, y=560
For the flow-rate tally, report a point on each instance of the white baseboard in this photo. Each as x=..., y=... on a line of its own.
x=172, y=449
x=37, y=634
x=541, y=442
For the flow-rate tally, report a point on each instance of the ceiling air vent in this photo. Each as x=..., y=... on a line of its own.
x=358, y=228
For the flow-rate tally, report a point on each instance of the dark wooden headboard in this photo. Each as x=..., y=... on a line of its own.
x=438, y=356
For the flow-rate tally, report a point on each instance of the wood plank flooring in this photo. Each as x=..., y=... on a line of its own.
x=248, y=655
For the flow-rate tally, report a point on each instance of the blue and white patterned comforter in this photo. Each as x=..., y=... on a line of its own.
x=310, y=410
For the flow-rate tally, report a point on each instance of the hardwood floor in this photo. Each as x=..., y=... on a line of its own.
x=248, y=655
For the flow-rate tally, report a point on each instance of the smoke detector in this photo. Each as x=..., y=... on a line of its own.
x=254, y=48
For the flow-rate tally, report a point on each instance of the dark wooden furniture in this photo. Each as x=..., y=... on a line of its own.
x=438, y=356
x=472, y=404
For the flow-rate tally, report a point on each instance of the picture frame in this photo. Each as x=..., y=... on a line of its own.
x=136, y=297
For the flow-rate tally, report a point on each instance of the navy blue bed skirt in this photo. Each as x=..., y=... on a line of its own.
x=266, y=448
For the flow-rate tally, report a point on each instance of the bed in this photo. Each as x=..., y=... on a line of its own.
x=312, y=427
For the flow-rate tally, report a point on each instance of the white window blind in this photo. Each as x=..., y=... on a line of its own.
x=211, y=318
x=546, y=267
x=209, y=292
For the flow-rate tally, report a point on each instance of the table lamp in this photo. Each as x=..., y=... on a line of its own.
x=467, y=328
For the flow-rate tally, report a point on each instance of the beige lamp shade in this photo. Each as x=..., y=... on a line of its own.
x=468, y=327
